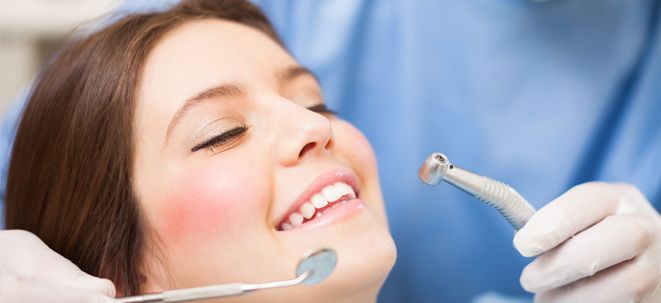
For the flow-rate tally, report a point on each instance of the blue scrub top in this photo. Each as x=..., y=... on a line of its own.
x=543, y=96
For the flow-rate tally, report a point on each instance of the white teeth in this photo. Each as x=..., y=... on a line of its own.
x=296, y=219
x=331, y=193
x=307, y=210
x=319, y=201
x=345, y=189
x=287, y=226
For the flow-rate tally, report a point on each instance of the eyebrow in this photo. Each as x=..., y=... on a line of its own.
x=295, y=71
x=220, y=91
x=231, y=90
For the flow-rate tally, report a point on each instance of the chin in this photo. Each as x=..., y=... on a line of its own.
x=360, y=273
x=366, y=254
x=365, y=251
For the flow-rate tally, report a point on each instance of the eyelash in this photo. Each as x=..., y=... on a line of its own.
x=322, y=108
x=221, y=139
x=226, y=137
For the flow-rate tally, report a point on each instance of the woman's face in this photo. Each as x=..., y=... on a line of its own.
x=239, y=172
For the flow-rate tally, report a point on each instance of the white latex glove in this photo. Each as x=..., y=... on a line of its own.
x=598, y=242
x=32, y=272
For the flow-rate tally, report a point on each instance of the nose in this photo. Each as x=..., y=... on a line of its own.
x=302, y=134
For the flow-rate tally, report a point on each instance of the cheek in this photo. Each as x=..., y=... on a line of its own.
x=209, y=202
x=353, y=145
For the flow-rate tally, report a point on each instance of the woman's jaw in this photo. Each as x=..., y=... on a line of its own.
x=356, y=231
x=366, y=254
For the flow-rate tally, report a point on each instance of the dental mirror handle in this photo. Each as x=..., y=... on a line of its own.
x=209, y=292
x=189, y=294
x=516, y=209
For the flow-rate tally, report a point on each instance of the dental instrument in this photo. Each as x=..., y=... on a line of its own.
x=314, y=268
x=509, y=203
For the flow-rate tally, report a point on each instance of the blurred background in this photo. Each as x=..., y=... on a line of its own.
x=31, y=31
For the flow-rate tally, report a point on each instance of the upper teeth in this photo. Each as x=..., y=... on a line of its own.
x=329, y=194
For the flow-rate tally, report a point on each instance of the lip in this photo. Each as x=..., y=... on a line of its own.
x=325, y=179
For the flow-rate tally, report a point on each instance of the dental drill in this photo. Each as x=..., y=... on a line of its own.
x=315, y=267
x=509, y=203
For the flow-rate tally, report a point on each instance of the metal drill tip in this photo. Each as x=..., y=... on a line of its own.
x=440, y=157
x=432, y=170
x=319, y=264
x=501, y=196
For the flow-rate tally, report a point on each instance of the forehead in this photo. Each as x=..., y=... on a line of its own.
x=201, y=53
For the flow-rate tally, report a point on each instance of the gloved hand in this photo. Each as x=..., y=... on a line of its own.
x=32, y=272
x=598, y=242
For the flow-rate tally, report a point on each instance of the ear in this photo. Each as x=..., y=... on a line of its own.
x=154, y=285
x=122, y=286
x=153, y=276
x=148, y=284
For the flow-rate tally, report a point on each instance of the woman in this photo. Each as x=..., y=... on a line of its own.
x=186, y=148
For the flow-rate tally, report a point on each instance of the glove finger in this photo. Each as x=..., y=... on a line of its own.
x=631, y=281
x=13, y=290
x=575, y=210
x=609, y=242
x=32, y=260
x=88, y=282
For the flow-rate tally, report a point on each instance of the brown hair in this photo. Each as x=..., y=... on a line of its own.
x=71, y=166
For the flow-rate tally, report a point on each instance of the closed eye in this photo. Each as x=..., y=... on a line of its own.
x=321, y=108
x=222, y=139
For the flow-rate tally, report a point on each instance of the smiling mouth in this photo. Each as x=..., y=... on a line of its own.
x=328, y=198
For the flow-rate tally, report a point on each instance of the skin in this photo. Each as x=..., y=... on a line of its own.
x=210, y=215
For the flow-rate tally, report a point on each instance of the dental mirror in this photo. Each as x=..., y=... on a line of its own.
x=314, y=268
x=320, y=264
